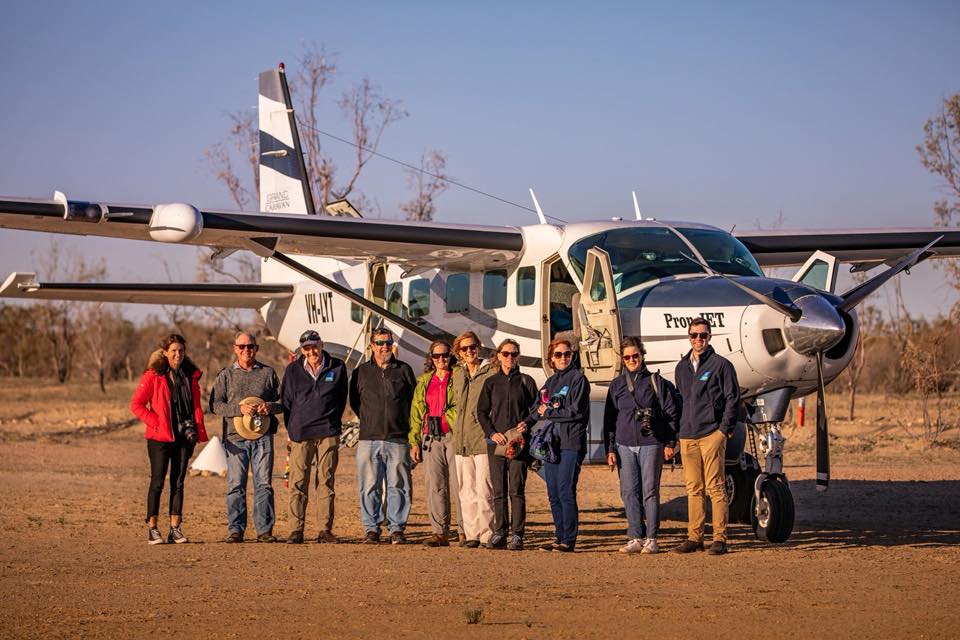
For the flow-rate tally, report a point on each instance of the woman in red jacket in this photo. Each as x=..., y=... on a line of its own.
x=168, y=401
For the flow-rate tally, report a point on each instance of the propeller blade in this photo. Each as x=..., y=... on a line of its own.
x=856, y=295
x=823, y=443
x=789, y=310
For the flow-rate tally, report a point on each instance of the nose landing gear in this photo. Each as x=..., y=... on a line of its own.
x=772, y=504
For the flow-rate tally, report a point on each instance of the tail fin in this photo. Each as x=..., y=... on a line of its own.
x=284, y=187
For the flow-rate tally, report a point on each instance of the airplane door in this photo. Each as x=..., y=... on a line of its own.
x=820, y=271
x=376, y=293
x=599, y=319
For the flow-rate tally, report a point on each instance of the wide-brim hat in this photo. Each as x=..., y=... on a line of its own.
x=245, y=426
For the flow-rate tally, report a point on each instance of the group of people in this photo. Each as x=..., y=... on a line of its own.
x=476, y=426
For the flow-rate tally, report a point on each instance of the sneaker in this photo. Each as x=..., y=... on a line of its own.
x=689, y=546
x=563, y=548
x=175, y=536
x=397, y=537
x=295, y=537
x=437, y=540
x=497, y=542
x=549, y=546
x=470, y=544
x=372, y=537
x=154, y=536
x=266, y=536
x=234, y=537
x=635, y=545
x=328, y=537
x=516, y=544
x=650, y=546
x=718, y=548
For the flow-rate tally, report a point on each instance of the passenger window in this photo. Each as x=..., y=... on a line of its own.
x=356, y=311
x=395, y=298
x=418, y=298
x=526, y=285
x=458, y=293
x=495, y=289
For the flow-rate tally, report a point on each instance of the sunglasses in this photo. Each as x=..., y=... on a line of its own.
x=510, y=354
x=468, y=347
x=562, y=354
x=436, y=356
x=633, y=357
x=381, y=343
x=702, y=335
x=251, y=347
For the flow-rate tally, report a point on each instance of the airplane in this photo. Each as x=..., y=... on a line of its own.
x=342, y=275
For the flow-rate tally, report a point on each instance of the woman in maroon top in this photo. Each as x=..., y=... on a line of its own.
x=432, y=414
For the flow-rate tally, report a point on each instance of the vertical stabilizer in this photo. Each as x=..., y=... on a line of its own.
x=283, y=184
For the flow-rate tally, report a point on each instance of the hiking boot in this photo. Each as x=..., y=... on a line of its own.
x=549, y=546
x=175, y=536
x=516, y=544
x=328, y=537
x=563, y=548
x=295, y=537
x=635, y=545
x=234, y=537
x=437, y=540
x=154, y=536
x=497, y=541
x=266, y=536
x=718, y=548
x=470, y=544
x=650, y=546
x=688, y=546
x=397, y=537
x=372, y=537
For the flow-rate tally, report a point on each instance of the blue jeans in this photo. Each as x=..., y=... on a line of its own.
x=640, y=488
x=380, y=461
x=240, y=457
x=562, y=491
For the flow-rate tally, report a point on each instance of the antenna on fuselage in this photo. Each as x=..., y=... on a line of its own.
x=636, y=206
x=536, y=205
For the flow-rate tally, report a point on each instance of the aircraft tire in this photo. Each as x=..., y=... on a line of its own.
x=739, y=487
x=773, y=517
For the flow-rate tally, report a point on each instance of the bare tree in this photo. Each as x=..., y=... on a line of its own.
x=871, y=321
x=940, y=155
x=244, y=137
x=427, y=183
x=107, y=338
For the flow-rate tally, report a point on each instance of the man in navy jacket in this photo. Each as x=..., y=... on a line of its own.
x=711, y=398
x=314, y=395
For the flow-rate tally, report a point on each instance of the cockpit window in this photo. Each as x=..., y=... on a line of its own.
x=641, y=254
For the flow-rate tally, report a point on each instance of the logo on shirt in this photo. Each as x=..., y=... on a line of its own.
x=328, y=377
x=704, y=376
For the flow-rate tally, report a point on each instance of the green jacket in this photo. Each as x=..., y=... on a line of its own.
x=468, y=437
x=418, y=408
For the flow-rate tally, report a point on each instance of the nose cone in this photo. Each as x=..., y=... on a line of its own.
x=819, y=328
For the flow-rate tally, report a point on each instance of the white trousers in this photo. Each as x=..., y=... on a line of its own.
x=476, y=496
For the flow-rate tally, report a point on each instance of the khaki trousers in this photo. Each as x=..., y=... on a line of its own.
x=476, y=497
x=703, y=460
x=440, y=473
x=302, y=454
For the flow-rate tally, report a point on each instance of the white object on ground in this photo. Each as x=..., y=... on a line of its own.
x=212, y=458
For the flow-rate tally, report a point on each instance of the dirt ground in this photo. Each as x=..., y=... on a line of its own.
x=876, y=556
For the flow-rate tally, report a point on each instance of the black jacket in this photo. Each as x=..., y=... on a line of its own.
x=570, y=389
x=505, y=400
x=619, y=424
x=711, y=396
x=381, y=399
x=313, y=409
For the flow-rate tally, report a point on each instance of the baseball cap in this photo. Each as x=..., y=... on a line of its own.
x=309, y=338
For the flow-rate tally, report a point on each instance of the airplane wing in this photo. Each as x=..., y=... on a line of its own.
x=412, y=245
x=238, y=296
x=789, y=248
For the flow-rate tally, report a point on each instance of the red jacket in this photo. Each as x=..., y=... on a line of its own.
x=151, y=400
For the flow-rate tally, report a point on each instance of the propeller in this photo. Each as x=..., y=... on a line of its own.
x=855, y=296
x=823, y=443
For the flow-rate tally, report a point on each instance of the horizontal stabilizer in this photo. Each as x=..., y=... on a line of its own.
x=196, y=294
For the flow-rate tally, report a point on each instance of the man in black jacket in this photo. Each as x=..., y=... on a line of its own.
x=314, y=395
x=381, y=391
x=711, y=397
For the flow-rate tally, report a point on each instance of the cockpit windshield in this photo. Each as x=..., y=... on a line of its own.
x=641, y=254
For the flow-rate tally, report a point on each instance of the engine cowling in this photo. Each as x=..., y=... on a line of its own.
x=175, y=222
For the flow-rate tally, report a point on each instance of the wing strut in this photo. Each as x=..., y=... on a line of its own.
x=267, y=251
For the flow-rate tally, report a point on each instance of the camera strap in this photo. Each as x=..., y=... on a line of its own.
x=654, y=384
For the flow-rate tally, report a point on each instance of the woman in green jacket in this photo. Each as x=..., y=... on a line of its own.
x=432, y=415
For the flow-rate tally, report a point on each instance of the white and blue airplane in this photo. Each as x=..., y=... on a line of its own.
x=340, y=274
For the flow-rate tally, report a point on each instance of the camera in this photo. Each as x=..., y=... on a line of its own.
x=188, y=429
x=644, y=418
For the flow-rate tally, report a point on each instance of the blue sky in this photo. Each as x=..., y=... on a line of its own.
x=721, y=114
